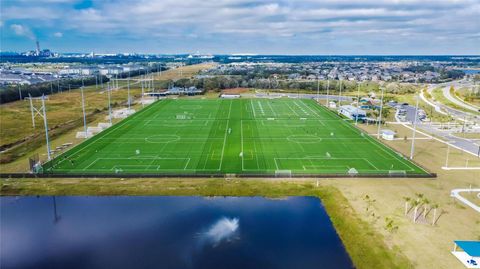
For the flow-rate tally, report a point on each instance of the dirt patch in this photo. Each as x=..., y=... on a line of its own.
x=235, y=90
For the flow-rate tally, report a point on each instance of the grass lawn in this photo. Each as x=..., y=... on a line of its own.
x=242, y=136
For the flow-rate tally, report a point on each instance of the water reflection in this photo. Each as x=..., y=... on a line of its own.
x=222, y=230
x=167, y=232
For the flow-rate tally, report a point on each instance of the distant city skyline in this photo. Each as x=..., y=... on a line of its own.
x=342, y=27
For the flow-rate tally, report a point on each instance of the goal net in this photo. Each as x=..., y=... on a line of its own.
x=397, y=173
x=352, y=172
x=283, y=173
x=34, y=163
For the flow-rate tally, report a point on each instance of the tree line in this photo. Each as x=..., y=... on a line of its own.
x=218, y=83
x=10, y=93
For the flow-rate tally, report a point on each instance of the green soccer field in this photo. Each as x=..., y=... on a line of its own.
x=233, y=136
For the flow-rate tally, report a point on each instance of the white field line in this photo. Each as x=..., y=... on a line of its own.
x=241, y=140
x=253, y=109
x=459, y=168
x=401, y=159
x=271, y=108
x=101, y=135
x=225, y=137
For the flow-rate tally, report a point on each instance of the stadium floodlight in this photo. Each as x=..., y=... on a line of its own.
x=415, y=116
x=83, y=109
x=143, y=82
x=32, y=109
x=380, y=120
x=46, y=126
x=358, y=102
x=109, y=103
x=448, y=153
x=328, y=91
x=340, y=96
x=128, y=90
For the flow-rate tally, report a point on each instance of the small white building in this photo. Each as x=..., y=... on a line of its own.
x=387, y=134
x=352, y=112
x=229, y=96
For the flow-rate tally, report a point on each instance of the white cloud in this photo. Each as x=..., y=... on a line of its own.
x=364, y=20
x=58, y=34
x=22, y=30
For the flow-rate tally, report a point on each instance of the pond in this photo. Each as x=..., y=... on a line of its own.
x=168, y=232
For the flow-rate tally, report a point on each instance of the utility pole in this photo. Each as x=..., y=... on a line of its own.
x=448, y=153
x=46, y=127
x=51, y=88
x=109, y=103
x=83, y=109
x=143, y=81
x=318, y=89
x=412, y=149
x=128, y=90
x=380, y=121
x=19, y=92
x=31, y=108
x=340, y=96
x=328, y=91
x=96, y=81
x=358, y=103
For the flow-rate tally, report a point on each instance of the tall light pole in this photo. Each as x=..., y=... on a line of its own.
x=412, y=149
x=358, y=103
x=318, y=89
x=46, y=127
x=340, y=96
x=32, y=110
x=380, y=121
x=20, y=92
x=128, y=90
x=83, y=109
x=143, y=81
x=109, y=103
x=328, y=91
x=448, y=152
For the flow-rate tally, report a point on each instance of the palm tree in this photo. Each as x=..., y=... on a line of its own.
x=419, y=196
x=434, y=220
x=426, y=202
x=415, y=204
x=407, y=204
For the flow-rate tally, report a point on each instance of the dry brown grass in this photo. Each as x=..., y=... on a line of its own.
x=425, y=245
x=183, y=72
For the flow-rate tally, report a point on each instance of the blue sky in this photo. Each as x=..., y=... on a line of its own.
x=243, y=26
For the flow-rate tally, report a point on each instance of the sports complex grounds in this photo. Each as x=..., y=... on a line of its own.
x=245, y=137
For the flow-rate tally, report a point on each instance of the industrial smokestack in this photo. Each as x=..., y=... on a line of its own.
x=38, y=47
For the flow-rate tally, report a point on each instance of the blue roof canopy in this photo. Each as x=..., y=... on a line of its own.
x=472, y=248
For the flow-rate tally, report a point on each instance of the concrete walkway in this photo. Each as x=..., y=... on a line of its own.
x=456, y=194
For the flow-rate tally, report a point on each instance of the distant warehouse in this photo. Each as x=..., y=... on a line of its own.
x=353, y=112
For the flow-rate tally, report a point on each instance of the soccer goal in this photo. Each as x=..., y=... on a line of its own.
x=397, y=173
x=283, y=173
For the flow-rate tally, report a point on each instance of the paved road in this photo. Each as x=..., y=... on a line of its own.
x=469, y=145
x=448, y=95
x=455, y=113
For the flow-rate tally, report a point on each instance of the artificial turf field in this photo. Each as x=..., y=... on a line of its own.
x=233, y=136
